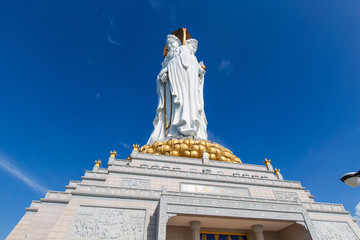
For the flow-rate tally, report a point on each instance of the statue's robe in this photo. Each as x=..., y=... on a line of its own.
x=185, y=116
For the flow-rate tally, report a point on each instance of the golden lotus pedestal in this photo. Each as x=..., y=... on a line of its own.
x=191, y=148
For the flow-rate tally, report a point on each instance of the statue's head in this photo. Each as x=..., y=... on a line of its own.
x=182, y=34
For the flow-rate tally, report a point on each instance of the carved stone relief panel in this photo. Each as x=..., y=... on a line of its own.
x=107, y=223
x=334, y=231
x=135, y=183
x=287, y=196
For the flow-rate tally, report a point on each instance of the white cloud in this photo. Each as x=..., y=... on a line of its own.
x=155, y=4
x=111, y=30
x=173, y=15
x=225, y=66
x=15, y=172
x=113, y=41
x=110, y=21
x=357, y=214
x=124, y=145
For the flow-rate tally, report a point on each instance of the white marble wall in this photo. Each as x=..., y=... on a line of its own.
x=134, y=188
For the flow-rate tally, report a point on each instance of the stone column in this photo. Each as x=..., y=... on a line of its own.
x=258, y=230
x=195, y=228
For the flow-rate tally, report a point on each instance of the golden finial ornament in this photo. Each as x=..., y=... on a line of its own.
x=136, y=147
x=277, y=171
x=97, y=163
x=267, y=161
x=113, y=154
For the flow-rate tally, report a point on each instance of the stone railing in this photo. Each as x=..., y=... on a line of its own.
x=176, y=173
x=195, y=161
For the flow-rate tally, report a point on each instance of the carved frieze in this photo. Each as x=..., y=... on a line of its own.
x=228, y=212
x=107, y=223
x=256, y=205
x=54, y=196
x=334, y=231
x=89, y=190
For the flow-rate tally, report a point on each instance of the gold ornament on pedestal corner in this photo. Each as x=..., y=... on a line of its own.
x=190, y=148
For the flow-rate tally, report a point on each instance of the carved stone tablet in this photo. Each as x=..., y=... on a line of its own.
x=135, y=183
x=287, y=196
x=334, y=231
x=216, y=190
x=107, y=223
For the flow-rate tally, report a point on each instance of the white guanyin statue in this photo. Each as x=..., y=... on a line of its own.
x=180, y=112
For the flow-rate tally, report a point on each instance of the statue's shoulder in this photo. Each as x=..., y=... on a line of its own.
x=192, y=41
x=192, y=44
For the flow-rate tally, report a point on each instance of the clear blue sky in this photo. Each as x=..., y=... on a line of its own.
x=77, y=79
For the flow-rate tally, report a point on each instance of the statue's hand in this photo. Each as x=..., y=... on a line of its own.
x=163, y=76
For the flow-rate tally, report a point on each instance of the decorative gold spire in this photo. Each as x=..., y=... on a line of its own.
x=277, y=171
x=136, y=147
x=97, y=163
x=113, y=154
x=267, y=161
